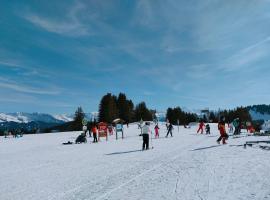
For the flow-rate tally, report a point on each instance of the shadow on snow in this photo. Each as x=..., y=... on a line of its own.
x=122, y=152
x=203, y=148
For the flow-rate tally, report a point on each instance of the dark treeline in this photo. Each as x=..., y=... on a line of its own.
x=263, y=108
x=175, y=114
x=240, y=112
x=112, y=107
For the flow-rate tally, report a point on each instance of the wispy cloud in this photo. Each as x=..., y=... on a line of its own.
x=71, y=26
x=200, y=71
x=10, y=64
x=148, y=93
x=23, y=69
x=7, y=84
x=247, y=56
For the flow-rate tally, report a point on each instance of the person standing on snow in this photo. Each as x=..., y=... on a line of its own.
x=201, y=125
x=170, y=128
x=223, y=135
x=207, y=129
x=94, y=131
x=230, y=127
x=145, y=135
x=237, y=128
x=156, y=131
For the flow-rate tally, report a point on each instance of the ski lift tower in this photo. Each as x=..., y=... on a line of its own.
x=205, y=112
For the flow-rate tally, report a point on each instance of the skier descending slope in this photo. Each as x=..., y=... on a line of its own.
x=145, y=135
x=223, y=135
x=201, y=125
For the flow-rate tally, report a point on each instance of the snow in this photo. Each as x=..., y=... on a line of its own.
x=187, y=166
x=8, y=118
x=64, y=117
x=259, y=116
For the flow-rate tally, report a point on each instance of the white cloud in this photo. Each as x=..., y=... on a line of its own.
x=23, y=69
x=10, y=64
x=7, y=84
x=247, y=56
x=71, y=26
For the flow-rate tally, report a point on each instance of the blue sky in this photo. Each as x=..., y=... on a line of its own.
x=56, y=56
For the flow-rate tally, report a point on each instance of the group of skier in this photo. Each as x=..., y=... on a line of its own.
x=146, y=131
x=93, y=132
x=15, y=133
x=234, y=128
x=201, y=127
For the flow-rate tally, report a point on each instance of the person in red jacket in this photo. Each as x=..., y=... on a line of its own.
x=94, y=131
x=201, y=125
x=222, y=130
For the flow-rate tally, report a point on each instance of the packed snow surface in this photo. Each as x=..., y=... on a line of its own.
x=188, y=166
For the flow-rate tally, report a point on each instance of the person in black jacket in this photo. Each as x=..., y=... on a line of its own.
x=170, y=128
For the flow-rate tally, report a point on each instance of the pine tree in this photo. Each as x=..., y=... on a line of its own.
x=78, y=118
x=123, y=107
x=108, y=110
x=131, y=113
x=175, y=114
x=142, y=112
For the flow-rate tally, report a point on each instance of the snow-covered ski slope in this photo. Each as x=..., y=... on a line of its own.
x=188, y=166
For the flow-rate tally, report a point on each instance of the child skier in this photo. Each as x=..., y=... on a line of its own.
x=156, y=131
x=145, y=135
x=201, y=125
x=222, y=130
x=207, y=129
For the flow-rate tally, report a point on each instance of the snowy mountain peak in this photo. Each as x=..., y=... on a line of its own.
x=21, y=117
x=63, y=117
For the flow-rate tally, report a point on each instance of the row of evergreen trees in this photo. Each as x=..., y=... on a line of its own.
x=175, y=114
x=112, y=107
x=240, y=112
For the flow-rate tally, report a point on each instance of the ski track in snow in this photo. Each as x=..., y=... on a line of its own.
x=39, y=167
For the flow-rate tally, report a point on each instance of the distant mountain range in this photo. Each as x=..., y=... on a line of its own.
x=259, y=112
x=30, y=121
x=35, y=122
x=21, y=117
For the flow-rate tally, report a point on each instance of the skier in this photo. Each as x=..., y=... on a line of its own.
x=236, y=124
x=156, y=131
x=223, y=135
x=201, y=125
x=6, y=133
x=94, y=131
x=85, y=130
x=145, y=135
x=81, y=139
x=170, y=128
x=230, y=127
x=22, y=132
x=207, y=129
